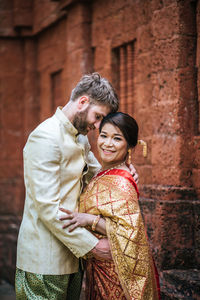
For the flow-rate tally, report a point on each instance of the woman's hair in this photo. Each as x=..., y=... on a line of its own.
x=126, y=124
x=99, y=90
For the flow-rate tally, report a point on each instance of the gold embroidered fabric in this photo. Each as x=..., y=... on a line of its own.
x=115, y=198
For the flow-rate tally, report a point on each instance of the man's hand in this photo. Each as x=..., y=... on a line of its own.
x=102, y=250
x=133, y=173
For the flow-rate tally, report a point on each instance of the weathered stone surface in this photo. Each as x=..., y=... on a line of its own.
x=9, y=226
x=45, y=47
x=171, y=224
x=180, y=284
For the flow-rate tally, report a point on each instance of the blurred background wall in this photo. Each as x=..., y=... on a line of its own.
x=150, y=51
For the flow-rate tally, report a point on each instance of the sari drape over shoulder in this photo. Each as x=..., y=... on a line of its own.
x=131, y=274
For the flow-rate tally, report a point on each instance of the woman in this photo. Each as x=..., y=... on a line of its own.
x=109, y=207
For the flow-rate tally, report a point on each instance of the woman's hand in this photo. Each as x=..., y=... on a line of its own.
x=75, y=219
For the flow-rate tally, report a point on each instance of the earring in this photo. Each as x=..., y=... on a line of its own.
x=129, y=156
x=144, y=144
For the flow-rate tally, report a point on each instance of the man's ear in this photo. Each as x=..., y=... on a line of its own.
x=83, y=102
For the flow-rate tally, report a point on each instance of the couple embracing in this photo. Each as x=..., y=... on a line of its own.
x=76, y=208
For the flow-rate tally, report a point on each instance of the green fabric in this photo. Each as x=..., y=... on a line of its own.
x=74, y=286
x=30, y=286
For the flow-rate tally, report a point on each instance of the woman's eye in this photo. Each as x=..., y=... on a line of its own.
x=117, y=139
x=102, y=135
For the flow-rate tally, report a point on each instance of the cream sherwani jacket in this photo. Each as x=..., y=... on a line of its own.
x=55, y=159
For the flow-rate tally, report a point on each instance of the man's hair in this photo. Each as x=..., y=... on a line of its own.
x=98, y=89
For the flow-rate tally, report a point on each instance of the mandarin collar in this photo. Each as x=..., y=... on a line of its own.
x=65, y=121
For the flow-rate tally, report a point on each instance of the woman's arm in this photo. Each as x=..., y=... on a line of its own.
x=75, y=219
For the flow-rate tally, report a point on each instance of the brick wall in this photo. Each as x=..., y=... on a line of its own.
x=165, y=105
x=12, y=134
x=150, y=51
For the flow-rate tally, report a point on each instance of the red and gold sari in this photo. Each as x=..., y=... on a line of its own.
x=131, y=273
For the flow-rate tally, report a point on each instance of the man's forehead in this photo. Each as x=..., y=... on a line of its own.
x=101, y=109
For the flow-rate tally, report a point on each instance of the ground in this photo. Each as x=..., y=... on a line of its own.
x=7, y=291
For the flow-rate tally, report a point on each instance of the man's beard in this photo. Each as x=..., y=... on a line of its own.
x=80, y=121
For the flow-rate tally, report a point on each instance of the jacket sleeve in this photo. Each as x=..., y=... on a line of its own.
x=93, y=167
x=42, y=159
x=92, y=163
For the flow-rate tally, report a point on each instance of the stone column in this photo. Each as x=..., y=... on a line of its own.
x=170, y=202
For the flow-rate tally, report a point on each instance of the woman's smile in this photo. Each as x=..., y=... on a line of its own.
x=112, y=145
x=106, y=151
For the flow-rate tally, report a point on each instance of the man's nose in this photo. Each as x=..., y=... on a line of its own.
x=97, y=124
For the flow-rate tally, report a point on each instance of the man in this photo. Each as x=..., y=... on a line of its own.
x=57, y=158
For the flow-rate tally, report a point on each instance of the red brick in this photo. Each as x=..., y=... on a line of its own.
x=6, y=21
x=165, y=150
x=165, y=86
x=11, y=57
x=23, y=16
x=166, y=159
x=144, y=122
x=11, y=192
x=187, y=16
x=144, y=172
x=82, y=13
x=52, y=42
x=142, y=94
x=164, y=101
x=187, y=82
x=164, y=57
x=44, y=13
x=143, y=68
x=187, y=45
x=164, y=118
x=175, y=221
x=11, y=168
x=196, y=177
x=144, y=39
x=165, y=22
x=196, y=143
x=78, y=37
x=142, y=12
